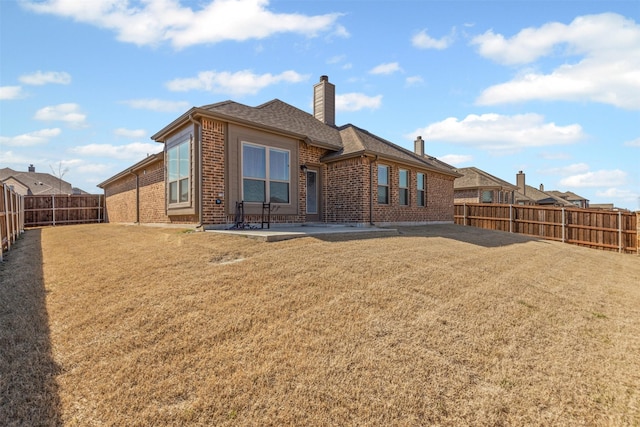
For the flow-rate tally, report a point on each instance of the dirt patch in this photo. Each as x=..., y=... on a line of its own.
x=442, y=324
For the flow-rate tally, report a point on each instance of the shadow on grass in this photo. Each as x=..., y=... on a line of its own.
x=468, y=234
x=472, y=235
x=28, y=388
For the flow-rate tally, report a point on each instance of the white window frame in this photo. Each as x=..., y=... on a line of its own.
x=421, y=191
x=385, y=186
x=403, y=188
x=267, y=178
x=183, y=177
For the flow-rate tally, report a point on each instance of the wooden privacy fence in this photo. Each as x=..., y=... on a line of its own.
x=61, y=209
x=609, y=230
x=11, y=218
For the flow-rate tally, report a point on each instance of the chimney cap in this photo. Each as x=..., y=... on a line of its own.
x=324, y=78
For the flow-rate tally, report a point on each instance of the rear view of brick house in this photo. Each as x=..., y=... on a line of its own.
x=306, y=167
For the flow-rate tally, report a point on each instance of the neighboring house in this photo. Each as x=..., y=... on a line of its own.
x=478, y=186
x=306, y=167
x=33, y=183
x=571, y=197
x=528, y=195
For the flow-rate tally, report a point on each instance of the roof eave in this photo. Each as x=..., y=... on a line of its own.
x=196, y=112
x=141, y=164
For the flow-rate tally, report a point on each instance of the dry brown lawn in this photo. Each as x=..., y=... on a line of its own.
x=440, y=325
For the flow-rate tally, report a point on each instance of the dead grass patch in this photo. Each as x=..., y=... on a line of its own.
x=441, y=325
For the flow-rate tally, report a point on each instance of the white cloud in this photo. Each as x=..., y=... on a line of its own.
x=30, y=139
x=633, y=143
x=422, y=40
x=501, y=133
x=158, y=105
x=92, y=168
x=388, y=68
x=130, y=133
x=69, y=113
x=573, y=169
x=133, y=151
x=158, y=21
x=622, y=195
x=239, y=83
x=609, y=71
x=456, y=159
x=414, y=81
x=41, y=78
x=357, y=101
x=10, y=92
x=601, y=178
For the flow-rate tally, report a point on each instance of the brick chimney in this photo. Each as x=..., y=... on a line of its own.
x=541, y=187
x=324, y=101
x=418, y=146
x=520, y=183
x=32, y=168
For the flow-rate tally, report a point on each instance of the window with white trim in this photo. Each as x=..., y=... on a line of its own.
x=487, y=196
x=383, y=184
x=421, y=187
x=403, y=187
x=179, y=161
x=265, y=174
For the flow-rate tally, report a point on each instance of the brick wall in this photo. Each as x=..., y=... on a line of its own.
x=467, y=196
x=439, y=195
x=120, y=200
x=213, y=182
x=152, y=194
x=347, y=189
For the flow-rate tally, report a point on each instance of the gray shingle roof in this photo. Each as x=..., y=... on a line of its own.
x=37, y=182
x=477, y=178
x=280, y=115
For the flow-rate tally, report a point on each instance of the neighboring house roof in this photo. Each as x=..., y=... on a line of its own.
x=138, y=166
x=277, y=116
x=567, y=195
x=541, y=197
x=473, y=177
x=37, y=182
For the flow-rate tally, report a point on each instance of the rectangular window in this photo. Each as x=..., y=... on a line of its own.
x=265, y=174
x=179, y=161
x=421, y=189
x=403, y=187
x=383, y=184
x=487, y=196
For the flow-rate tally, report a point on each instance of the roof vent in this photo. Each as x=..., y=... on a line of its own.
x=32, y=168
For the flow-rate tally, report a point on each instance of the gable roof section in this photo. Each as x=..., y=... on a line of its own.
x=477, y=178
x=357, y=142
x=275, y=116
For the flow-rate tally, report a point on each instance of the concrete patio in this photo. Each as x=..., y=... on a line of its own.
x=286, y=232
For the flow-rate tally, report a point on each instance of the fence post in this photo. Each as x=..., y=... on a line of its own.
x=53, y=208
x=638, y=232
x=563, y=226
x=510, y=218
x=619, y=231
x=464, y=214
x=6, y=216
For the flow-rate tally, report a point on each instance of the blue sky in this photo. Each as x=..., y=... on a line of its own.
x=551, y=88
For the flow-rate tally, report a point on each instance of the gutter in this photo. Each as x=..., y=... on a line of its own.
x=198, y=126
x=137, y=195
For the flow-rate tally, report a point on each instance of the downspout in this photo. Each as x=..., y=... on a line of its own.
x=137, y=195
x=200, y=178
x=375, y=159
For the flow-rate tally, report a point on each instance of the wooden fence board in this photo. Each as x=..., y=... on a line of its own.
x=63, y=209
x=610, y=230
